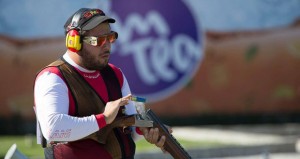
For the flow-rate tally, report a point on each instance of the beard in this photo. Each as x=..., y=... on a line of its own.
x=91, y=62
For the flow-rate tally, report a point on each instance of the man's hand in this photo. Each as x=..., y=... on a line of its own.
x=152, y=136
x=112, y=108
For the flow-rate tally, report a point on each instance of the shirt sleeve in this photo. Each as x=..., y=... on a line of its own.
x=130, y=107
x=52, y=105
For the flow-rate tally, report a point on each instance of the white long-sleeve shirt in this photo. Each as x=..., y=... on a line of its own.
x=52, y=107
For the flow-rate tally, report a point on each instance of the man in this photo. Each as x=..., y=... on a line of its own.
x=80, y=93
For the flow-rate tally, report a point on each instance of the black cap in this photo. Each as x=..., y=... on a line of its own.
x=86, y=19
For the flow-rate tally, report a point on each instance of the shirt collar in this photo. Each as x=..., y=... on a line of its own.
x=71, y=62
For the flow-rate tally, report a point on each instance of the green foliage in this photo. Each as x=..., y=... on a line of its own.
x=284, y=92
x=251, y=53
x=27, y=145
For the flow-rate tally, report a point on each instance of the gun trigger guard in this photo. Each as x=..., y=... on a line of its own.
x=126, y=130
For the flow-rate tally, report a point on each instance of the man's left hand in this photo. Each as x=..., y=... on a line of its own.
x=152, y=136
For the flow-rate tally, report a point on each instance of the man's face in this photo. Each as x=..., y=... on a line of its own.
x=96, y=57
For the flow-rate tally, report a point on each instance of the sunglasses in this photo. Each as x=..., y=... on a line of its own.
x=101, y=40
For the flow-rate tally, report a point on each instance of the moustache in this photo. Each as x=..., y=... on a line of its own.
x=107, y=52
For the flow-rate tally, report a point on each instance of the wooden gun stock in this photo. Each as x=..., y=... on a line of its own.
x=103, y=133
x=171, y=144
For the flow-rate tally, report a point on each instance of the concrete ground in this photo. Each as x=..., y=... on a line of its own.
x=262, y=141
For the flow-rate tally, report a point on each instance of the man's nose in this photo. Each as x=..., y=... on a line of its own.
x=106, y=43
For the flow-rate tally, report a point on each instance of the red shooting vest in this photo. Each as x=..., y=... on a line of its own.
x=87, y=102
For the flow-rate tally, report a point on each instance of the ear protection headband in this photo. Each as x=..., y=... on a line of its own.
x=73, y=37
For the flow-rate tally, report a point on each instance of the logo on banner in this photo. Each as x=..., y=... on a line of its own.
x=159, y=48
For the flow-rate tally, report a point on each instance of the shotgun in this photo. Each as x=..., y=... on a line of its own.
x=119, y=122
x=171, y=144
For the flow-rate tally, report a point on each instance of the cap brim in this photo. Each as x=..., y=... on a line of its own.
x=96, y=21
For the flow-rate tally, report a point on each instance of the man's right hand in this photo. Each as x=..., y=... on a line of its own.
x=112, y=108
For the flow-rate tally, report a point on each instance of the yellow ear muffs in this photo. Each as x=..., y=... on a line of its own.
x=73, y=40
